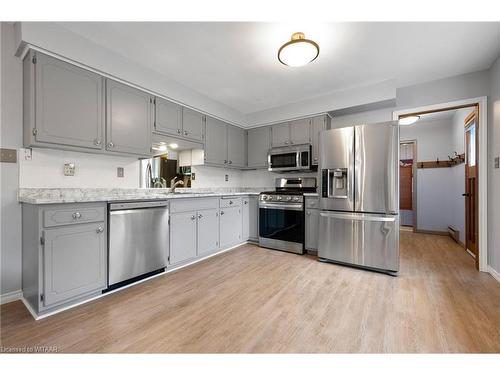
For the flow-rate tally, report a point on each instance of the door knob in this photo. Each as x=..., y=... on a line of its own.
x=77, y=215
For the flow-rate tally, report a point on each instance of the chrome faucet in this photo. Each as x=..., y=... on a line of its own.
x=174, y=184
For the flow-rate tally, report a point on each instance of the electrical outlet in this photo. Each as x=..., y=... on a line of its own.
x=193, y=176
x=27, y=154
x=226, y=177
x=497, y=162
x=120, y=172
x=69, y=169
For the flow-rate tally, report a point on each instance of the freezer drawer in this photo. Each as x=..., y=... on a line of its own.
x=367, y=240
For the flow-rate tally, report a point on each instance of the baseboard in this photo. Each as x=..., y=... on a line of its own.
x=494, y=273
x=11, y=296
x=438, y=232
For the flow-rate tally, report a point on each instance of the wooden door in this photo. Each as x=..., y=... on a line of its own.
x=405, y=187
x=471, y=183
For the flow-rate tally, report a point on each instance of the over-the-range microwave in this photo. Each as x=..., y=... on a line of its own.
x=289, y=159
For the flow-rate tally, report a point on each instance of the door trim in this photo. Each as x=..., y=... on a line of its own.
x=414, y=185
x=482, y=103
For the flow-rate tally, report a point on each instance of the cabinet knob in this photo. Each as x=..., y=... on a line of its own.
x=315, y=159
x=230, y=162
x=185, y=132
x=286, y=142
x=222, y=213
x=77, y=215
x=97, y=142
x=99, y=229
x=308, y=213
x=178, y=131
x=111, y=144
x=225, y=161
x=246, y=202
x=230, y=202
x=200, y=216
x=193, y=217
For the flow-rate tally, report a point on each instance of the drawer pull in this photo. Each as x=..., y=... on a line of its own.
x=222, y=213
x=99, y=229
x=77, y=215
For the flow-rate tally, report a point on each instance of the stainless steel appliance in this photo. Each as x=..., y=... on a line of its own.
x=138, y=241
x=289, y=159
x=281, y=214
x=359, y=200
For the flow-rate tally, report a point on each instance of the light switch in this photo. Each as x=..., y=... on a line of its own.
x=120, y=172
x=69, y=169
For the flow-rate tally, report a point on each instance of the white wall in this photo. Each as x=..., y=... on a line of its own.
x=10, y=137
x=494, y=174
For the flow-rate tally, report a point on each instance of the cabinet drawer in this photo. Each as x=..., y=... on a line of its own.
x=193, y=204
x=73, y=214
x=312, y=202
x=230, y=202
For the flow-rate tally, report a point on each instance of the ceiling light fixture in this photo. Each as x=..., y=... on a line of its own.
x=298, y=51
x=408, y=120
x=173, y=145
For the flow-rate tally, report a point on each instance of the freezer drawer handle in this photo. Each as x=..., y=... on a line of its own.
x=357, y=217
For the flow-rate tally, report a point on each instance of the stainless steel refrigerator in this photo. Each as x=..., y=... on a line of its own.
x=359, y=198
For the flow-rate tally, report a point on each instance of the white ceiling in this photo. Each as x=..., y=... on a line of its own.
x=236, y=63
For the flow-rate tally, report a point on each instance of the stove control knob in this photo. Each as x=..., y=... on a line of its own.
x=295, y=199
x=278, y=197
x=264, y=197
x=288, y=198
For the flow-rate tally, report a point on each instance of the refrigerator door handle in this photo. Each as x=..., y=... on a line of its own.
x=360, y=217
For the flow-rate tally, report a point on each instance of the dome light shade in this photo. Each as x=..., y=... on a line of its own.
x=298, y=51
x=408, y=120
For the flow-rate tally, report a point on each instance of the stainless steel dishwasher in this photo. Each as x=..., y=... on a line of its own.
x=138, y=241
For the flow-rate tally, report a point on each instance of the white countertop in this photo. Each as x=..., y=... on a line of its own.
x=76, y=195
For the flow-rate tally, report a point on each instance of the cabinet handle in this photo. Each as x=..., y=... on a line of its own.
x=97, y=142
x=286, y=142
x=230, y=202
x=77, y=215
x=193, y=217
x=111, y=145
x=315, y=159
x=178, y=131
x=185, y=132
x=246, y=202
x=200, y=216
x=99, y=229
x=222, y=213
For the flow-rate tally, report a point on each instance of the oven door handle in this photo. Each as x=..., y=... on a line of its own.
x=292, y=207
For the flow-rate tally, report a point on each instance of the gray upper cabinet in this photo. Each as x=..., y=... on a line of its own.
x=318, y=124
x=64, y=104
x=236, y=146
x=208, y=231
x=193, y=124
x=168, y=117
x=215, y=142
x=259, y=140
x=129, y=119
x=74, y=261
x=182, y=237
x=300, y=131
x=280, y=135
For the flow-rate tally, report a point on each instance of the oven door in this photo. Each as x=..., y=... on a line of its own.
x=281, y=227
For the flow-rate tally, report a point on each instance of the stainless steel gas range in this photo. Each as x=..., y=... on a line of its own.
x=281, y=214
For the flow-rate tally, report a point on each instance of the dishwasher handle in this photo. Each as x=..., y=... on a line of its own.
x=135, y=205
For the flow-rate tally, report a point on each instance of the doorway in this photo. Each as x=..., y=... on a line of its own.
x=473, y=186
x=407, y=188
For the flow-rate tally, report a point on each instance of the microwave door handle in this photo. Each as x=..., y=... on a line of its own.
x=328, y=183
x=297, y=159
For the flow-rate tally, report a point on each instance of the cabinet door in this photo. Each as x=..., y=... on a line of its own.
x=69, y=104
x=280, y=134
x=230, y=226
x=236, y=146
x=299, y=131
x=182, y=237
x=74, y=261
x=215, y=142
x=312, y=231
x=168, y=117
x=192, y=124
x=245, y=212
x=258, y=146
x=208, y=231
x=318, y=124
x=253, y=218
x=129, y=119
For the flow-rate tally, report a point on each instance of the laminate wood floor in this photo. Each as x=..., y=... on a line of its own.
x=257, y=300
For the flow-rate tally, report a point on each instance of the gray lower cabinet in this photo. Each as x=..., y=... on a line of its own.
x=250, y=213
x=215, y=142
x=168, y=117
x=236, y=146
x=208, y=231
x=230, y=226
x=129, y=115
x=182, y=237
x=311, y=229
x=259, y=141
x=64, y=254
x=280, y=135
x=193, y=124
x=74, y=261
x=63, y=104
